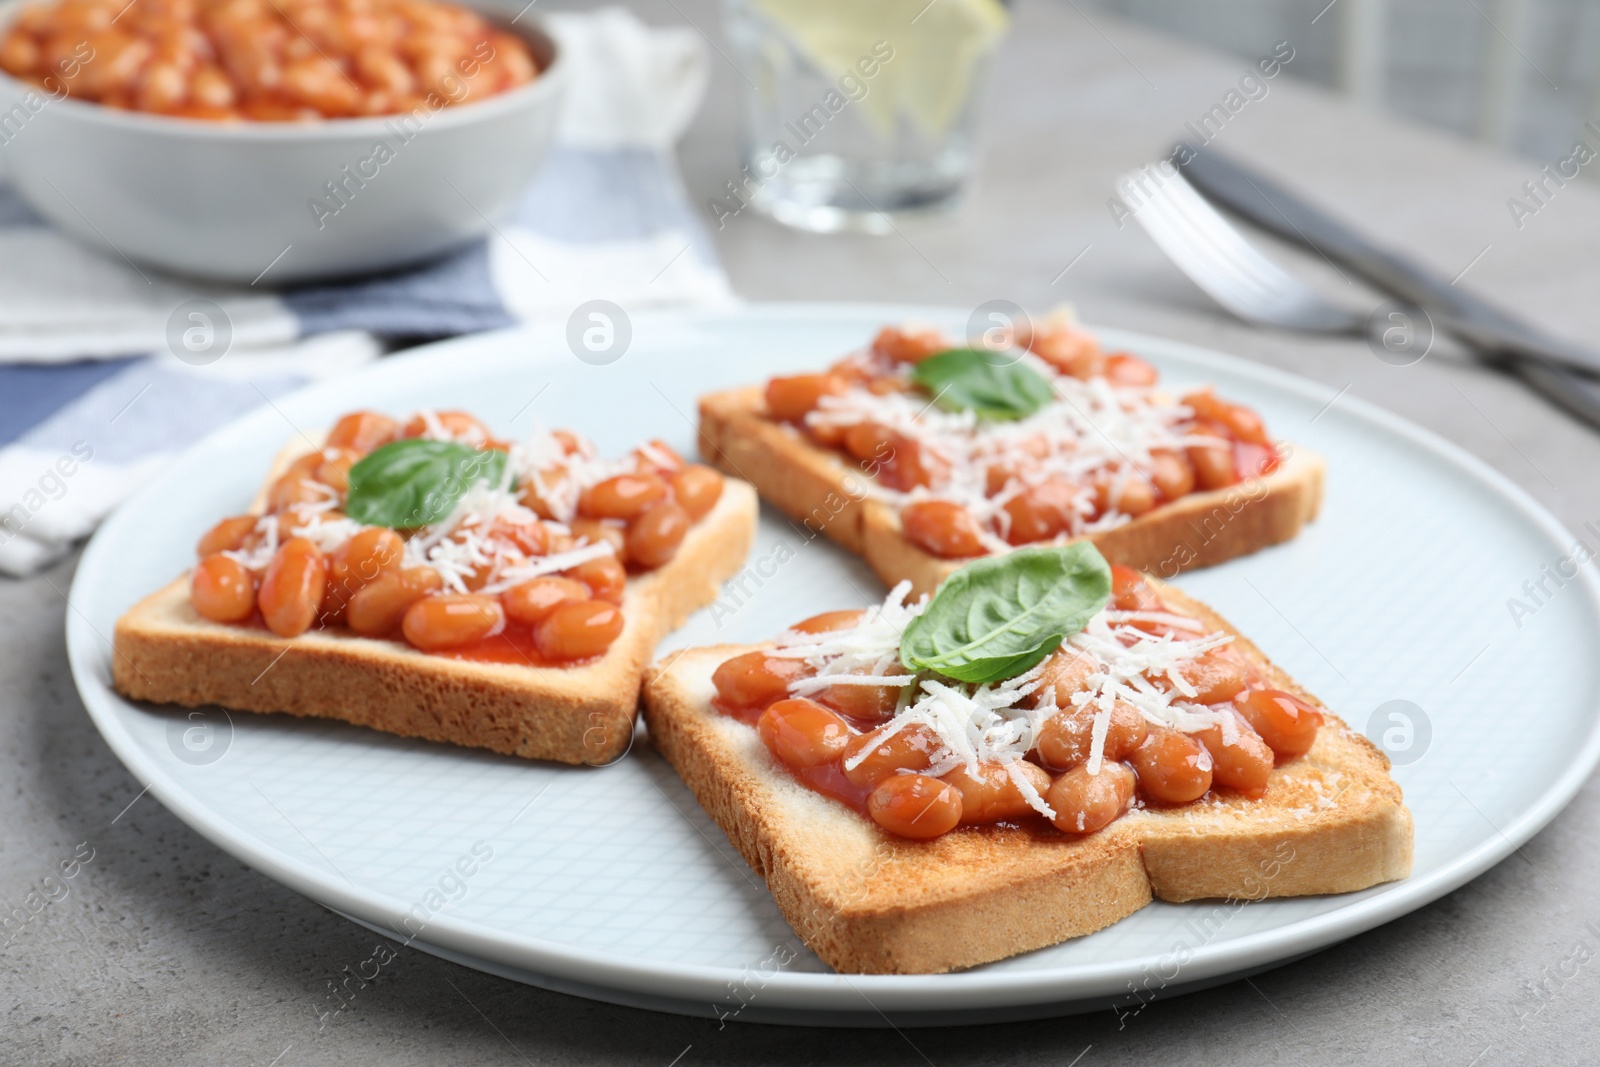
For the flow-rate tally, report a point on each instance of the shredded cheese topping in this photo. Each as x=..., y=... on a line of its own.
x=469, y=542
x=1091, y=430
x=999, y=723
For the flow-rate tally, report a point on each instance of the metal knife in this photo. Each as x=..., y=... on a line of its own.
x=1543, y=362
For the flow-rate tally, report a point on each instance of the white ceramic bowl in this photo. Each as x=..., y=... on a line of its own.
x=237, y=201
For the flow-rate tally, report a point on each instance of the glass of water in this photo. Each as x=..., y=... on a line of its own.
x=858, y=111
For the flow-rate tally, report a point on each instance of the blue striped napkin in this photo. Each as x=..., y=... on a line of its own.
x=104, y=374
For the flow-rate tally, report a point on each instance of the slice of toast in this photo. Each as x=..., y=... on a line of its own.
x=163, y=651
x=866, y=901
x=826, y=492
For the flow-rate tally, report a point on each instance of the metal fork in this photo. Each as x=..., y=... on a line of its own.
x=1217, y=257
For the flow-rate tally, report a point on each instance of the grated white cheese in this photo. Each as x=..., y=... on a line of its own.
x=459, y=546
x=974, y=724
x=996, y=723
x=1126, y=658
x=554, y=563
x=1092, y=430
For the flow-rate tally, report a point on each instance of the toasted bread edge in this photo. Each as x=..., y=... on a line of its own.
x=165, y=653
x=818, y=488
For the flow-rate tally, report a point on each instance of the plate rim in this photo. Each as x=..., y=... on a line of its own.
x=88, y=651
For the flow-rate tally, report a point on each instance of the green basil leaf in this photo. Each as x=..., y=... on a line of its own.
x=973, y=379
x=999, y=615
x=412, y=483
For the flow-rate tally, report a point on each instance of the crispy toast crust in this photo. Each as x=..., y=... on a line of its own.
x=163, y=651
x=821, y=489
x=865, y=901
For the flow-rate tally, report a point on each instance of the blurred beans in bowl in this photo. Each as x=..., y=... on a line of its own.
x=272, y=141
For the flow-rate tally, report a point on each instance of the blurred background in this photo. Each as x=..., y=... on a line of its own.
x=1522, y=75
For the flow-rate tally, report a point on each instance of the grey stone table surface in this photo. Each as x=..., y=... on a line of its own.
x=166, y=950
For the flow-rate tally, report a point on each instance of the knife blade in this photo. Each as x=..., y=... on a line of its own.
x=1498, y=335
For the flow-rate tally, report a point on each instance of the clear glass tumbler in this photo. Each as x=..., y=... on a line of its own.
x=858, y=111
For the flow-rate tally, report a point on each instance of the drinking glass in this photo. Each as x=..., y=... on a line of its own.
x=858, y=111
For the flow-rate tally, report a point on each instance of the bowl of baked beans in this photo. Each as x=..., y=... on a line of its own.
x=273, y=141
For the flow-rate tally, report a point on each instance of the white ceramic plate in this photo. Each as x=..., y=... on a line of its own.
x=613, y=884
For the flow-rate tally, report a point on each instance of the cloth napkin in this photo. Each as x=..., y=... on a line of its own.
x=93, y=397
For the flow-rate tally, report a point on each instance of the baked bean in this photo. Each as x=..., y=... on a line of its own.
x=915, y=806
x=1171, y=474
x=1253, y=460
x=1173, y=767
x=209, y=87
x=449, y=620
x=654, y=537
x=1085, y=802
x=1242, y=424
x=906, y=465
x=1123, y=368
x=118, y=58
x=1067, y=737
x=305, y=465
x=162, y=87
x=1070, y=351
x=1130, y=592
x=1216, y=678
x=828, y=622
x=605, y=578
x=624, y=496
x=908, y=346
x=292, y=588
x=361, y=431
x=1131, y=494
x=598, y=531
x=1213, y=465
x=19, y=55
x=320, y=84
x=869, y=440
x=572, y=444
x=528, y=538
x=222, y=589
x=529, y=602
x=912, y=748
x=334, y=468
x=377, y=608
x=658, y=457
x=293, y=490
x=803, y=733
x=996, y=477
x=1285, y=722
x=992, y=795
x=869, y=703
x=943, y=528
x=1245, y=765
x=1041, y=512
x=755, y=679
x=1065, y=671
x=578, y=630
x=457, y=426
x=697, y=488
x=542, y=496
x=789, y=399
x=227, y=535
x=365, y=557
x=382, y=69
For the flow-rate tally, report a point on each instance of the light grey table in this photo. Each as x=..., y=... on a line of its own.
x=166, y=950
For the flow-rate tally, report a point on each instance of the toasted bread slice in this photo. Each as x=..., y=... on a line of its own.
x=866, y=901
x=825, y=491
x=165, y=652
